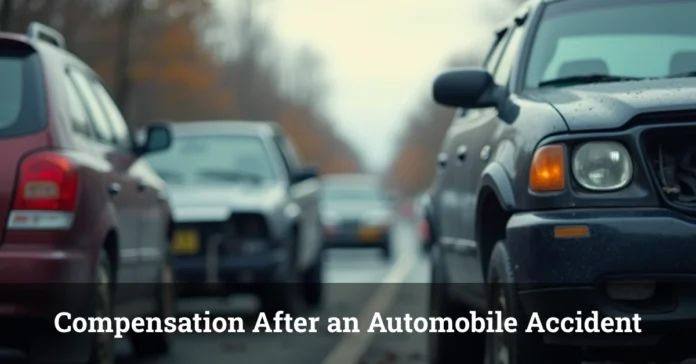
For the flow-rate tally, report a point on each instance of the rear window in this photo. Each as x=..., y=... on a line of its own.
x=22, y=102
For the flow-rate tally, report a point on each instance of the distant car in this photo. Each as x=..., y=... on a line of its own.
x=246, y=215
x=78, y=204
x=356, y=213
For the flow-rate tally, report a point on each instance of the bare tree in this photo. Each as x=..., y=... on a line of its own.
x=123, y=46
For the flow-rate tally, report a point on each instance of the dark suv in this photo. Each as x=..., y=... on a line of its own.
x=82, y=214
x=567, y=183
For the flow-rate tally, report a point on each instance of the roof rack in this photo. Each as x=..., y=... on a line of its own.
x=38, y=31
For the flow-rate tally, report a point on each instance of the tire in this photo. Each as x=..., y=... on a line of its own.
x=155, y=344
x=520, y=347
x=102, y=351
x=313, y=285
x=284, y=294
x=450, y=348
x=386, y=251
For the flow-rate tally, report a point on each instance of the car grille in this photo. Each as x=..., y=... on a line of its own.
x=667, y=151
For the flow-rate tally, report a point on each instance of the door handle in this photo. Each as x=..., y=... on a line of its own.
x=114, y=188
x=442, y=160
x=461, y=153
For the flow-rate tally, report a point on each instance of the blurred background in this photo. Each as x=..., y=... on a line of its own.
x=349, y=80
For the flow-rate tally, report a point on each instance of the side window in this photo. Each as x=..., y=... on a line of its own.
x=102, y=129
x=122, y=135
x=292, y=162
x=504, y=69
x=78, y=111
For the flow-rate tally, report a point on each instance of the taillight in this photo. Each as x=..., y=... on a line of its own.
x=46, y=182
x=45, y=194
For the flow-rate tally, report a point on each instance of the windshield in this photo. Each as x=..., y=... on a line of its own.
x=628, y=38
x=352, y=193
x=214, y=159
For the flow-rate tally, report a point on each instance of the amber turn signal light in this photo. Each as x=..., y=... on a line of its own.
x=547, y=173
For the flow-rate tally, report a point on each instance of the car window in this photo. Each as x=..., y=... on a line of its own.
x=102, y=130
x=337, y=193
x=641, y=38
x=509, y=56
x=292, y=160
x=214, y=158
x=118, y=123
x=78, y=111
x=22, y=97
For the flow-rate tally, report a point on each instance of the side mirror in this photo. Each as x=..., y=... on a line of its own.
x=155, y=138
x=468, y=88
x=306, y=173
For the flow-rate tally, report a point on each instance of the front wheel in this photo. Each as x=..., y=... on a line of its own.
x=519, y=347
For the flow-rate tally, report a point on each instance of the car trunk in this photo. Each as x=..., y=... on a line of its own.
x=22, y=114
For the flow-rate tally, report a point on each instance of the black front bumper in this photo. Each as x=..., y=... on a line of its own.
x=557, y=277
x=235, y=273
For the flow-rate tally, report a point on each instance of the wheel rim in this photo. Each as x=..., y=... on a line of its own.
x=104, y=341
x=498, y=346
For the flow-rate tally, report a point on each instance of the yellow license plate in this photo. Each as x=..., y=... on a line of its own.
x=369, y=235
x=186, y=242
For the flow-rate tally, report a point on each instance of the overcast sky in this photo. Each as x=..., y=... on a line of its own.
x=381, y=56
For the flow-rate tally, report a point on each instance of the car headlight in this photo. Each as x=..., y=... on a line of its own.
x=602, y=166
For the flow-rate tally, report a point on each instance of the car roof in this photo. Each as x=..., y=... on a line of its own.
x=230, y=127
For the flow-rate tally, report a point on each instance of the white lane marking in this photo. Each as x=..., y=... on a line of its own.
x=352, y=346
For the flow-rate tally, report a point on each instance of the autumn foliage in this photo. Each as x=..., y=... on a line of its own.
x=153, y=56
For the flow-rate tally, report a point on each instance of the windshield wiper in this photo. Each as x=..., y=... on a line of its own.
x=594, y=78
x=229, y=176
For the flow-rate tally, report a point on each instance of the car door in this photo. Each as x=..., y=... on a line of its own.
x=151, y=221
x=477, y=145
x=453, y=164
x=115, y=179
x=306, y=195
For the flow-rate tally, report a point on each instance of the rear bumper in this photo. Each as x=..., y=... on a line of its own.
x=41, y=283
x=557, y=277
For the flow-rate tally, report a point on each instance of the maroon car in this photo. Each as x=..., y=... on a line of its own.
x=83, y=215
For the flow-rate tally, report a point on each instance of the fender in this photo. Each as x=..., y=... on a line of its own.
x=496, y=178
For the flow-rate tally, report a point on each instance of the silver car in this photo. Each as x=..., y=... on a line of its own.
x=246, y=217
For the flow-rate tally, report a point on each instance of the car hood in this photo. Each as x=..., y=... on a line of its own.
x=214, y=202
x=611, y=105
